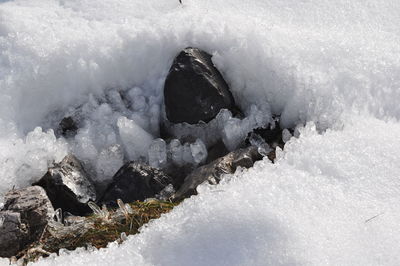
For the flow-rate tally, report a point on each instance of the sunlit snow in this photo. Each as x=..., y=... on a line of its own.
x=331, y=198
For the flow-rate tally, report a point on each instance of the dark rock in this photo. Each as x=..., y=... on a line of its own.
x=178, y=172
x=216, y=151
x=68, y=126
x=194, y=89
x=212, y=172
x=135, y=181
x=34, y=207
x=271, y=134
x=13, y=233
x=68, y=186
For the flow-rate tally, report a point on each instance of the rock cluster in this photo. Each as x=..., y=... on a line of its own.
x=194, y=92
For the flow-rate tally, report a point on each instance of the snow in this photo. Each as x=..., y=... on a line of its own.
x=332, y=196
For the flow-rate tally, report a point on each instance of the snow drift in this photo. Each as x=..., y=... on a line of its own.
x=335, y=65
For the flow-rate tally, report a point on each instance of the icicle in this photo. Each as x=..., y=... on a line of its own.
x=58, y=216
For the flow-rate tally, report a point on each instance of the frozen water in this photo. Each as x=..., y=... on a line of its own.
x=176, y=152
x=336, y=63
x=187, y=156
x=262, y=147
x=286, y=135
x=233, y=135
x=161, y=155
x=26, y=159
x=108, y=163
x=134, y=138
x=230, y=129
x=199, y=151
x=158, y=153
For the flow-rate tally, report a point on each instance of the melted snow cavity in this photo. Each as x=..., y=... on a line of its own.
x=333, y=64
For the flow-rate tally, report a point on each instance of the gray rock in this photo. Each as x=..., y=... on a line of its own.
x=13, y=233
x=194, y=89
x=68, y=186
x=34, y=207
x=213, y=171
x=135, y=181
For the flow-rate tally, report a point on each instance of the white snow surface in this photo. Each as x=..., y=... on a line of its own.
x=332, y=196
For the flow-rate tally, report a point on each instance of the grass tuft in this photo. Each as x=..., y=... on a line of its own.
x=99, y=232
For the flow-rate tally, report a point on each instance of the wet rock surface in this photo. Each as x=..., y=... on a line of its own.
x=13, y=233
x=213, y=171
x=25, y=214
x=135, y=181
x=194, y=89
x=68, y=186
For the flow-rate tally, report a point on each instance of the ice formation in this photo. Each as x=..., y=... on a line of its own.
x=335, y=63
x=158, y=153
x=262, y=147
x=199, y=151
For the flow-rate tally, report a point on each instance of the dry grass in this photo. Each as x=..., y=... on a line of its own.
x=101, y=232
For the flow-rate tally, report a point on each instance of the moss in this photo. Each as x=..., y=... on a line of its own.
x=101, y=232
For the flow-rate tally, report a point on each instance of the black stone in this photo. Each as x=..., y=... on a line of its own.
x=69, y=187
x=216, y=151
x=195, y=90
x=271, y=134
x=68, y=126
x=135, y=181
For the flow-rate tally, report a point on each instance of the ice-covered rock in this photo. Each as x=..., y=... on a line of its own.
x=68, y=186
x=213, y=171
x=13, y=233
x=34, y=207
x=194, y=89
x=135, y=181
